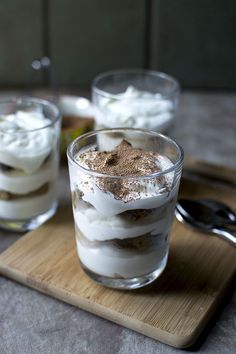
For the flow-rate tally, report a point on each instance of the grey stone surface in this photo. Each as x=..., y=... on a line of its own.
x=206, y=126
x=31, y=322
x=20, y=41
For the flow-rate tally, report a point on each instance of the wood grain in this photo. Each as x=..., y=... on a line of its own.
x=174, y=309
x=209, y=171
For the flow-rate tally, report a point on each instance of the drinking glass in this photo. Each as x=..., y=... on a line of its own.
x=135, y=98
x=29, y=162
x=122, y=222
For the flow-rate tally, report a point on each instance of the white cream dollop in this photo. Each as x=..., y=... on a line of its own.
x=144, y=193
x=23, y=143
x=96, y=226
x=135, y=108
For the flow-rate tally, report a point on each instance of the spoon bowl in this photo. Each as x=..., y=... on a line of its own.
x=201, y=216
x=201, y=212
x=221, y=209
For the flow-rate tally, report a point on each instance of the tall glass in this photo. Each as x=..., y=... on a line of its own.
x=29, y=162
x=122, y=222
x=135, y=98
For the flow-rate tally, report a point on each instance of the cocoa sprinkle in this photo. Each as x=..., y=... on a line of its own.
x=124, y=160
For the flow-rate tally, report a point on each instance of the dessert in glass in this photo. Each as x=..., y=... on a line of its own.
x=124, y=192
x=29, y=162
x=135, y=98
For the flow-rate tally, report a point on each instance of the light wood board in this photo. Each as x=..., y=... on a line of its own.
x=174, y=309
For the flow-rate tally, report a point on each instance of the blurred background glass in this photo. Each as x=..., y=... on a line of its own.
x=135, y=98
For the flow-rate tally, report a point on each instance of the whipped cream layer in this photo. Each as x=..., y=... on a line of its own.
x=112, y=262
x=114, y=196
x=23, y=143
x=106, y=204
x=19, y=182
x=135, y=108
x=99, y=227
x=26, y=208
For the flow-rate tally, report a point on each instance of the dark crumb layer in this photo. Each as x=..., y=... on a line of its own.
x=11, y=196
x=129, y=215
x=5, y=168
x=141, y=243
x=76, y=195
x=135, y=215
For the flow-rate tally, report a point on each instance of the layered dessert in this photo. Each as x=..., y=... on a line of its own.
x=28, y=165
x=135, y=108
x=123, y=207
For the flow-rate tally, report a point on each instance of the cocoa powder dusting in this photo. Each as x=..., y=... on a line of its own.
x=124, y=160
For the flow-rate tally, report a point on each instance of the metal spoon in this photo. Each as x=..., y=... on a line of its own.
x=208, y=211
x=221, y=209
x=204, y=218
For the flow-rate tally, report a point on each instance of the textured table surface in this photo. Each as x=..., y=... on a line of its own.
x=32, y=323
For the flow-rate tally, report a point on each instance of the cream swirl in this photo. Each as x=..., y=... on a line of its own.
x=26, y=139
x=111, y=196
x=135, y=108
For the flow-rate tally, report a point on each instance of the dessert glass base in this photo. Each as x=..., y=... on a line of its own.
x=28, y=224
x=29, y=162
x=126, y=283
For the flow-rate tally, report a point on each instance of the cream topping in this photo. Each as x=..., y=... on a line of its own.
x=135, y=108
x=112, y=196
x=21, y=146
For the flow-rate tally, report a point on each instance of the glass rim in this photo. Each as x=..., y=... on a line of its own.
x=94, y=173
x=153, y=73
x=39, y=101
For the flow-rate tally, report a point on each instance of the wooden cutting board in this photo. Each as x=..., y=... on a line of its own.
x=174, y=309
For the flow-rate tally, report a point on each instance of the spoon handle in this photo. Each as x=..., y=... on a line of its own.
x=225, y=234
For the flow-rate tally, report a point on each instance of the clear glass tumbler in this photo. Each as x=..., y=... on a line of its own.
x=29, y=162
x=135, y=98
x=124, y=185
